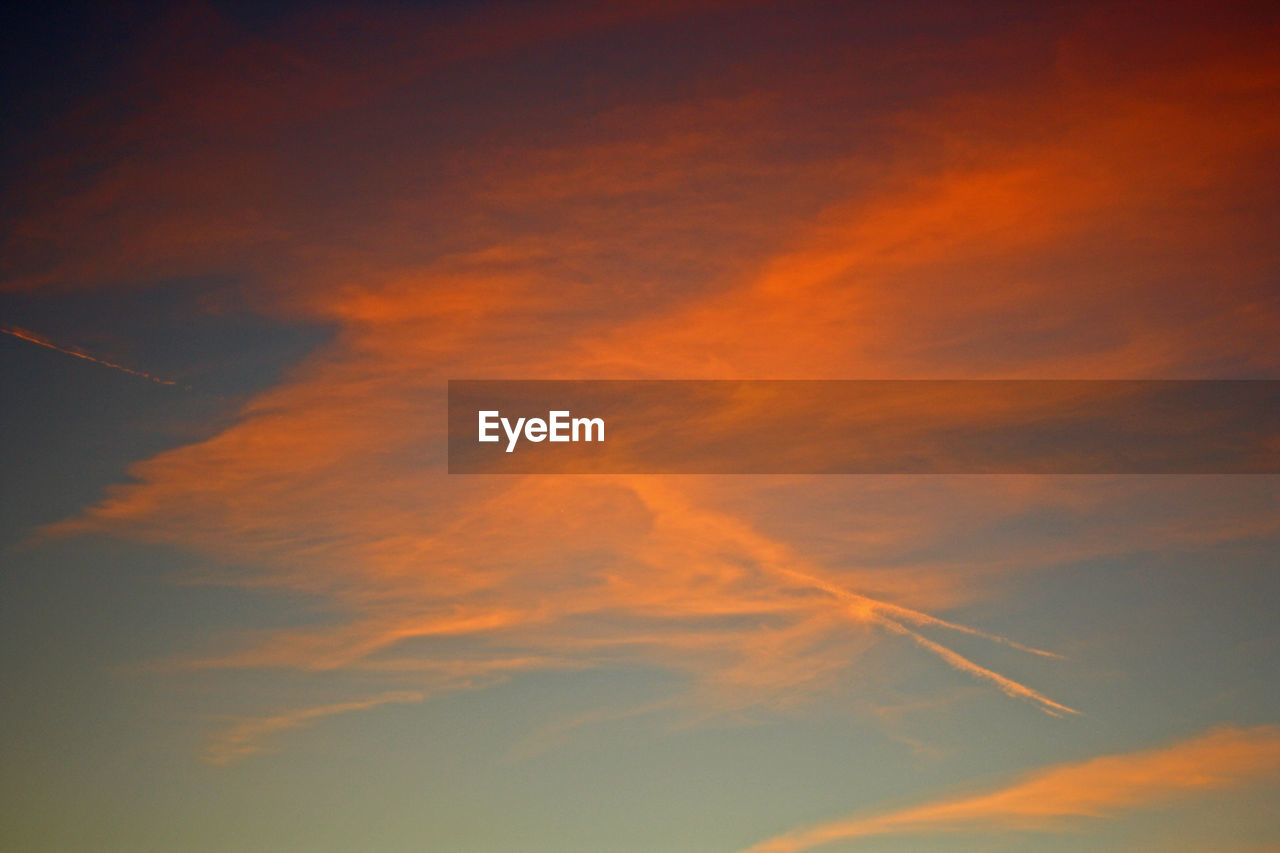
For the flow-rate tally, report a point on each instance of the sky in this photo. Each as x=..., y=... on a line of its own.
x=244, y=607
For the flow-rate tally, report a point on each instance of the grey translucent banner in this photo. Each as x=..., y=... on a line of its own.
x=864, y=427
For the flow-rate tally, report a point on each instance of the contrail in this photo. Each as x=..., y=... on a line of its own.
x=39, y=340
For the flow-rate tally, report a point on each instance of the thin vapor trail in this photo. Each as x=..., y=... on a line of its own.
x=40, y=340
x=775, y=559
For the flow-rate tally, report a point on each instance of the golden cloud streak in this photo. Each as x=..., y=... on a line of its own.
x=1043, y=800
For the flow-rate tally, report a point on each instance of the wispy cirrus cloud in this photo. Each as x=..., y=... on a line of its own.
x=1051, y=799
x=248, y=736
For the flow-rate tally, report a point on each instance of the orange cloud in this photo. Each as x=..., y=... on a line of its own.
x=1047, y=799
x=758, y=216
x=244, y=739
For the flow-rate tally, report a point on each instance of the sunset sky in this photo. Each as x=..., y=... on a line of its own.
x=245, y=609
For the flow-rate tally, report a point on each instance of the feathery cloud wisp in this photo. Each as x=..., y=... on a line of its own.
x=1221, y=758
x=245, y=737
